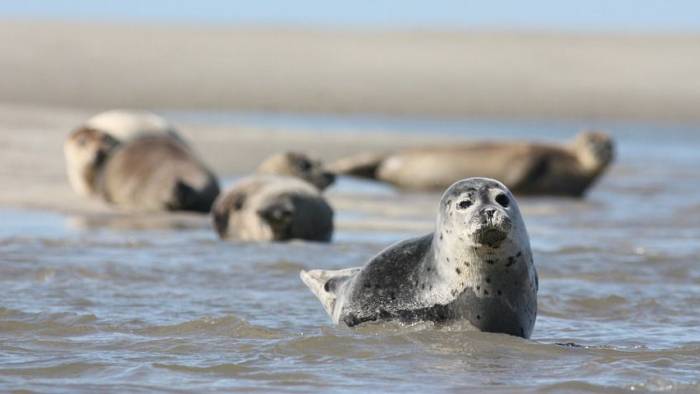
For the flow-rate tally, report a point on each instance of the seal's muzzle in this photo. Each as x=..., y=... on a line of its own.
x=494, y=227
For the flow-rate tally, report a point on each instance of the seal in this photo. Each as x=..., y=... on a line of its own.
x=123, y=125
x=526, y=168
x=297, y=165
x=147, y=173
x=273, y=208
x=477, y=266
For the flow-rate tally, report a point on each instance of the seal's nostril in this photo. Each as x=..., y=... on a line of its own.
x=490, y=212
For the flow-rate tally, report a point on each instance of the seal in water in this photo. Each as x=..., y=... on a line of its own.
x=298, y=165
x=148, y=173
x=273, y=208
x=477, y=266
x=123, y=125
x=526, y=168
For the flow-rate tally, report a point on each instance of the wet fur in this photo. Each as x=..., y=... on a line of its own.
x=247, y=210
x=526, y=168
x=154, y=173
x=443, y=276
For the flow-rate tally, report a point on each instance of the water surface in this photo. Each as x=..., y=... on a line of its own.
x=118, y=303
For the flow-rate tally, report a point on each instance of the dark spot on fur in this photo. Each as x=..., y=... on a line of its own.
x=478, y=317
x=431, y=287
x=486, y=292
x=488, y=280
x=478, y=287
x=422, y=286
x=458, y=271
x=368, y=285
x=499, y=292
x=440, y=236
x=511, y=261
x=490, y=262
x=428, y=269
x=392, y=295
x=522, y=332
x=448, y=259
x=454, y=292
x=519, y=254
x=466, y=264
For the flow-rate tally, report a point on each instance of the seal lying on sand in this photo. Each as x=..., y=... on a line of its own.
x=297, y=165
x=147, y=173
x=476, y=266
x=273, y=208
x=526, y=168
x=123, y=125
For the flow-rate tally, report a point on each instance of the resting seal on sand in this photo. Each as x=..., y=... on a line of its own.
x=476, y=266
x=123, y=124
x=298, y=165
x=273, y=208
x=147, y=173
x=526, y=168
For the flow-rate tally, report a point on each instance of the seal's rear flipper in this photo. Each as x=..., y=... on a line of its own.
x=326, y=284
x=363, y=165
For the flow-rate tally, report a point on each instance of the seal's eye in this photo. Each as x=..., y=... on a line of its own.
x=305, y=165
x=82, y=140
x=503, y=200
x=464, y=204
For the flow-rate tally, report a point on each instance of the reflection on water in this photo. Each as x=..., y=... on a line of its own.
x=122, y=302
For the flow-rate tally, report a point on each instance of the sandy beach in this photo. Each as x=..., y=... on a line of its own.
x=458, y=73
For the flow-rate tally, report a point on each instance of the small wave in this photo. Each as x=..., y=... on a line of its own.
x=63, y=370
x=56, y=324
x=230, y=326
x=218, y=369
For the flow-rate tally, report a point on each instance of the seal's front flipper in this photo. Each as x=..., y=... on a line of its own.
x=326, y=285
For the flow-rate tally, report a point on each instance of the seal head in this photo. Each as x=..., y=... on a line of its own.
x=595, y=150
x=298, y=165
x=86, y=151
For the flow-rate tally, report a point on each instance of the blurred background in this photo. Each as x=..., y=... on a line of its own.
x=539, y=59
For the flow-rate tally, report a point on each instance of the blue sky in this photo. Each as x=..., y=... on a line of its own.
x=596, y=15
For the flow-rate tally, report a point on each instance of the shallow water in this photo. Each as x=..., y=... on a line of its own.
x=118, y=303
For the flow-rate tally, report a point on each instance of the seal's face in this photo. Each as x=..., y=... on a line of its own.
x=480, y=212
x=594, y=149
x=300, y=166
x=86, y=150
x=266, y=208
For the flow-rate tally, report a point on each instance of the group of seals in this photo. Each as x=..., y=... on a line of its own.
x=477, y=266
x=137, y=160
x=526, y=168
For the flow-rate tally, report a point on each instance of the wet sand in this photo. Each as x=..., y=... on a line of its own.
x=485, y=74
